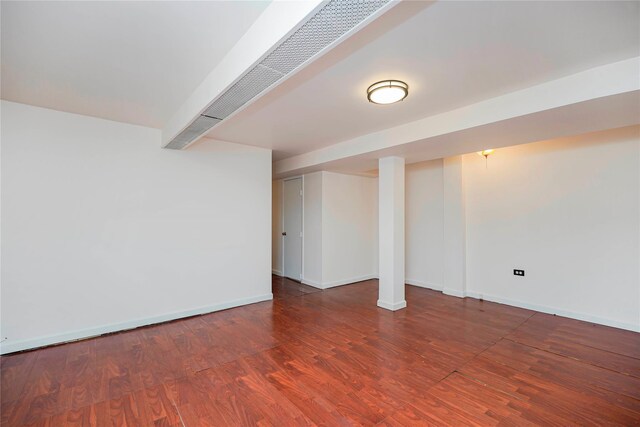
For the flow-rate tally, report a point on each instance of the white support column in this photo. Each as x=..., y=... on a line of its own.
x=455, y=239
x=391, y=233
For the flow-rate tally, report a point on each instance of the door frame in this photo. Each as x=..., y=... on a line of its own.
x=282, y=226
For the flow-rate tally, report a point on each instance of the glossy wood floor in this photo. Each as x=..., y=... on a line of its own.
x=334, y=358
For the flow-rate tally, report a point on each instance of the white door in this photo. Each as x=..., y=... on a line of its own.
x=292, y=229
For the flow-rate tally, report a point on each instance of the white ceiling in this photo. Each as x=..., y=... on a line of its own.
x=133, y=62
x=450, y=53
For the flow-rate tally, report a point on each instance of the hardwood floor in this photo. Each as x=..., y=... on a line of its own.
x=334, y=358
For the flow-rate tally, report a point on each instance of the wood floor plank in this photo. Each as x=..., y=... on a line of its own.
x=609, y=339
x=564, y=402
x=332, y=357
x=550, y=333
x=563, y=370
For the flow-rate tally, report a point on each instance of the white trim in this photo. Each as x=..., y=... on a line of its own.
x=312, y=283
x=282, y=225
x=423, y=284
x=277, y=272
x=392, y=306
x=291, y=178
x=557, y=311
x=454, y=292
x=10, y=347
x=303, y=233
x=327, y=285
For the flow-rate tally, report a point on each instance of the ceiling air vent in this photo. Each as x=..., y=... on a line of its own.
x=250, y=85
x=327, y=25
x=193, y=131
x=330, y=23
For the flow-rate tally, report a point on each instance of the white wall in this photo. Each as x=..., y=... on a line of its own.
x=340, y=229
x=424, y=224
x=349, y=228
x=568, y=213
x=103, y=230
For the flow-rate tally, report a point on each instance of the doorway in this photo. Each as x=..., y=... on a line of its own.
x=292, y=229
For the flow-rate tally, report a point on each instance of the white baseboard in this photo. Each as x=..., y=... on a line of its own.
x=277, y=273
x=328, y=285
x=423, y=284
x=10, y=347
x=312, y=283
x=392, y=306
x=556, y=311
x=454, y=292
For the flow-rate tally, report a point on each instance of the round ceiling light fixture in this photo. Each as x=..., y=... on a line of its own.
x=387, y=92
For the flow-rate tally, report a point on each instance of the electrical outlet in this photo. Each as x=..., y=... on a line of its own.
x=518, y=272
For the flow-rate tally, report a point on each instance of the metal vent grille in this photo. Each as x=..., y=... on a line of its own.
x=250, y=85
x=193, y=131
x=327, y=25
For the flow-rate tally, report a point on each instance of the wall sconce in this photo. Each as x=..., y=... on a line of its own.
x=486, y=154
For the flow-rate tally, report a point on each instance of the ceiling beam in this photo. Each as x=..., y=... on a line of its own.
x=284, y=40
x=276, y=22
x=605, y=96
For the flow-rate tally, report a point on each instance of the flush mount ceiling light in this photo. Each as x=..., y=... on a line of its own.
x=387, y=92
